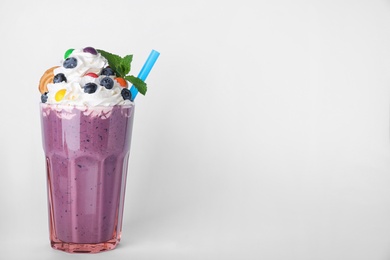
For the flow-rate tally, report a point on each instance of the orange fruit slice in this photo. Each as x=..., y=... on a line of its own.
x=46, y=78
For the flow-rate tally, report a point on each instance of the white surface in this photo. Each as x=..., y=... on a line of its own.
x=264, y=134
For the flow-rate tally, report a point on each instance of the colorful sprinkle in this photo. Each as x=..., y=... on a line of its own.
x=122, y=82
x=60, y=95
x=67, y=53
x=90, y=50
x=91, y=74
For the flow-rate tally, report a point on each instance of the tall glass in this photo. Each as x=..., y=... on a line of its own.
x=87, y=151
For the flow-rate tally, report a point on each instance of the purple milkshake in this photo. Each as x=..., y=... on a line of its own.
x=87, y=152
x=87, y=113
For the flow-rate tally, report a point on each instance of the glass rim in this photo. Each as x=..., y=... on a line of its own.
x=70, y=106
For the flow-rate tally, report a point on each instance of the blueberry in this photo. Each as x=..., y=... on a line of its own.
x=59, y=78
x=107, y=82
x=70, y=63
x=44, y=97
x=90, y=88
x=107, y=72
x=90, y=50
x=126, y=94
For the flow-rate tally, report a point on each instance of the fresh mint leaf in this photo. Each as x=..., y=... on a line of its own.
x=138, y=83
x=114, y=61
x=122, y=67
x=126, y=63
x=120, y=71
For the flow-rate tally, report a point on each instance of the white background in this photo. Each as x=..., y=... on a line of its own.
x=264, y=133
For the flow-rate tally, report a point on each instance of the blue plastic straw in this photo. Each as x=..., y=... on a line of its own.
x=143, y=74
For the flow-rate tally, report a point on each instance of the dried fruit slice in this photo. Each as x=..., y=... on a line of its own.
x=46, y=78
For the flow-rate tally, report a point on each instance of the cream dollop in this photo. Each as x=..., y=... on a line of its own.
x=72, y=92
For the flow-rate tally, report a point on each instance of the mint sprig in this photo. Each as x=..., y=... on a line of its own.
x=122, y=67
x=138, y=83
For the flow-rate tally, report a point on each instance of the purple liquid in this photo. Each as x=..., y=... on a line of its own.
x=87, y=158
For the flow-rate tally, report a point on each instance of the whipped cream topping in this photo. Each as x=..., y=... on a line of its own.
x=72, y=92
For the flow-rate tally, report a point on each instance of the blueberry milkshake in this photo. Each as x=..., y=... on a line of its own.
x=87, y=118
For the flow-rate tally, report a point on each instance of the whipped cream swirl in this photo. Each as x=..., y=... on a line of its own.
x=87, y=70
